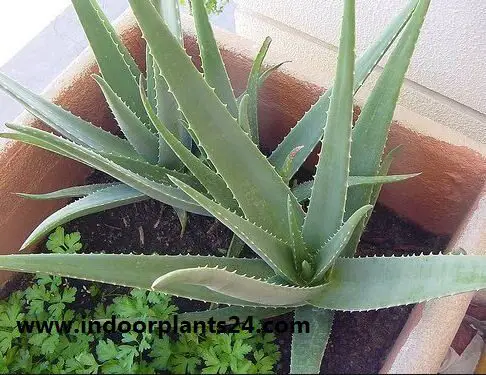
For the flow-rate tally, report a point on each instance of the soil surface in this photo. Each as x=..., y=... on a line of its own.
x=359, y=342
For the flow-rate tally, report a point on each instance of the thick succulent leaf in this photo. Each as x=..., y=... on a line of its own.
x=299, y=248
x=136, y=271
x=65, y=123
x=308, y=130
x=140, y=137
x=98, y=201
x=164, y=101
x=171, y=14
x=151, y=68
x=352, y=245
x=261, y=193
x=239, y=286
x=116, y=64
x=243, y=119
x=328, y=197
x=358, y=284
x=182, y=216
x=287, y=170
x=156, y=173
x=252, y=90
x=333, y=248
x=271, y=249
x=303, y=190
x=308, y=347
x=264, y=76
x=371, y=130
x=384, y=168
x=71, y=192
x=236, y=246
x=167, y=194
x=213, y=67
x=209, y=179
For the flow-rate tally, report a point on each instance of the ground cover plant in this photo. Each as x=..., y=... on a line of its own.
x=305, y=237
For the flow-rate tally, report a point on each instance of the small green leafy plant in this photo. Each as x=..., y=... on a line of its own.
x=53, y=299
x=305, y=258
x=212, y=6
x=61, y=243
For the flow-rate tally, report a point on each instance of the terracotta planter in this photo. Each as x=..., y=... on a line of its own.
x=438, y=200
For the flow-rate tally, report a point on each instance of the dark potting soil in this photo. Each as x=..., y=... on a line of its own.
x=359, y=342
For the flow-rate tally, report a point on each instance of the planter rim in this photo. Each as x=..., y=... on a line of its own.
x=28, y=169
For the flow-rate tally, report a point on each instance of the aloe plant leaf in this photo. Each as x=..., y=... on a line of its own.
x=236, y=246
x=261, y=194
x=182, y=216
x=358, y=231
x=65, y=123
x=303, y=190
x=71, y=192
x=141, y=138
x=369, y=141
x=98, y=201
x=328, y=196
x=243, y=119
x=235, y=285
x=271, y=249
x=116, y=64
x=299, y=248
x=286, y=171
x=371, y=130
x=384, y=168
x=267, y=73
x=252, y=90
x=308, y=130
x=308, y=347
x=158, y=92
x=213, y=67
x=214, y=184
x=332, y=249
x=167, y=194
x=156, y=173
x=394, y=281
x=136, y=271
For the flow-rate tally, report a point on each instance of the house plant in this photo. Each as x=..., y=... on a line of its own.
x=276, y=227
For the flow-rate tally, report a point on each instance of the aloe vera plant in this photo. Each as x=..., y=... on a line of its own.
x=305, y=258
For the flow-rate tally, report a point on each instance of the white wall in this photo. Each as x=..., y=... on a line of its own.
x=447, y=76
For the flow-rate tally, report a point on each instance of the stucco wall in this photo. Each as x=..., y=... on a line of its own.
x=447, y=76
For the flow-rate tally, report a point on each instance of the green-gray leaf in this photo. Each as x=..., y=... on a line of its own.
x=303, y=190
x=399, y=280
x=136, y=271
x=71, y=192
x=157, y=190
x=116, y=64
x=213, y=67
x=328, y=197
x=238, y=286
x=140, y=137
x=308, y=347
x=64, y=122
x=98, y=201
